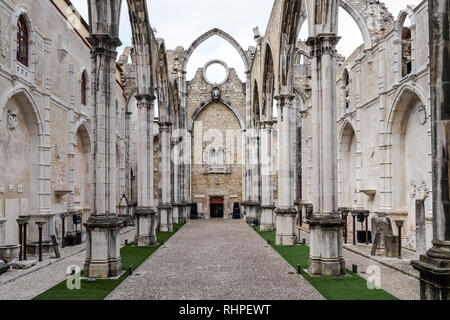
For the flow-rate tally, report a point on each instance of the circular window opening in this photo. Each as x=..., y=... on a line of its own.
x=216, y=72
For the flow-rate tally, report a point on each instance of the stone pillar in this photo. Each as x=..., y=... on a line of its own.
x=185, y=165
x=326, y=255
x=44, y=204
x=165, y=206
x=285, y=211
x=103, y=227
x=434, y=267
x=145, y=211
x=266, y=162
x=255, y=209
x=72, y=139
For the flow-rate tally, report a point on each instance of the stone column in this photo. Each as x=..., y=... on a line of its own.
x=326, y=255
x=72, y=140
x=165, y=205
x=145, y=211
x=285, y=211
x=434, y=267
x=103, y=227
x=266, y=161
x=255, y=209
x=176, y=212
x=185, y=165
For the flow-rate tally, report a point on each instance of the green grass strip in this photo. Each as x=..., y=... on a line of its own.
x=99, y=290
x=351, y=287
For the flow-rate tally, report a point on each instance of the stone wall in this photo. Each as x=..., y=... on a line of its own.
x=46, y=97
x=216, y=126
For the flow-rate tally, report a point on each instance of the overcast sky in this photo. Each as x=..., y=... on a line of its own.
x=180, y=22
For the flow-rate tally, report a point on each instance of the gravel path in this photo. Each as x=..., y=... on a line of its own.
x=31, y=285
x=215, y=260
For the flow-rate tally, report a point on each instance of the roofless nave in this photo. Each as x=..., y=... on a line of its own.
x=308, y=136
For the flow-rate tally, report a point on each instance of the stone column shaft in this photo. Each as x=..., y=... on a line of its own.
x=165, y=206
x=434, y=267
x=326, y=255
x=285, y=211
x=103, y=227
x=266, y=162
x=145, y=211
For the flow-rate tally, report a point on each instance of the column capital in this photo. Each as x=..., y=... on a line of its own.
x=267, y=124
x=145, y=100
x=284, y=97
x=165, y=125
x=104, y=44
x=323, y=43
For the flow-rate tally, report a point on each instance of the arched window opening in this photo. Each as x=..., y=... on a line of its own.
x=216, y=158
x=84, y=88
x=274, y=109
x=156, y=106
x=268, y=86
x=256, y=111
x=215, y=48
x=346, y=86
x=22, y=41
x=406, y=51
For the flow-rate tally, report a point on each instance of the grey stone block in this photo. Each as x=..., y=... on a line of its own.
x=23, y=264
x=391, y=249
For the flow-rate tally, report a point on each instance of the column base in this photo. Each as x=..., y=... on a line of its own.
x=176, y=210
x=165, y=214
x=434, y=268
x=146, y=227
x=326, y=241
x=186, y=212
x=103, y=247
x=251, y=210
x=285, y=225
x=267, y=218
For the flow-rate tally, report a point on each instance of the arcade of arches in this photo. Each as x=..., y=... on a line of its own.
x=305, y=139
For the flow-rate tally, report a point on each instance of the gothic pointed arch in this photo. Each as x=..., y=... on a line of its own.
x=357, y=17
x=206, y=36
x=163, y=86
x=256, y=112
x=142, y=42
x=268, y=84
x=207, y=102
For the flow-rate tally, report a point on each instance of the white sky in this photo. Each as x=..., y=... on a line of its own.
x=180, y=22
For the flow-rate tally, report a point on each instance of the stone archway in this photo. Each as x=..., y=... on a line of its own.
x=82, y=200
x=20, y=161
x=206, y=36
x=408, y=176
x=347, y=166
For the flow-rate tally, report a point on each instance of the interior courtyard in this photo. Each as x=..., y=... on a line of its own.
x=314, y=158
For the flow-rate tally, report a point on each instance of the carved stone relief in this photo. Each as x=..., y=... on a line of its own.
x=423, y=115
x=412, y=189
x=422, y=190
x=12, y=120
x=4, y=41
x=216, y=94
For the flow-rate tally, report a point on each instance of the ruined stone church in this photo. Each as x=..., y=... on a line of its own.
x=308, y=137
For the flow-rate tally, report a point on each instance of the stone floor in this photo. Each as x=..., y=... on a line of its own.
x=215, y=260
x=26, y=284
